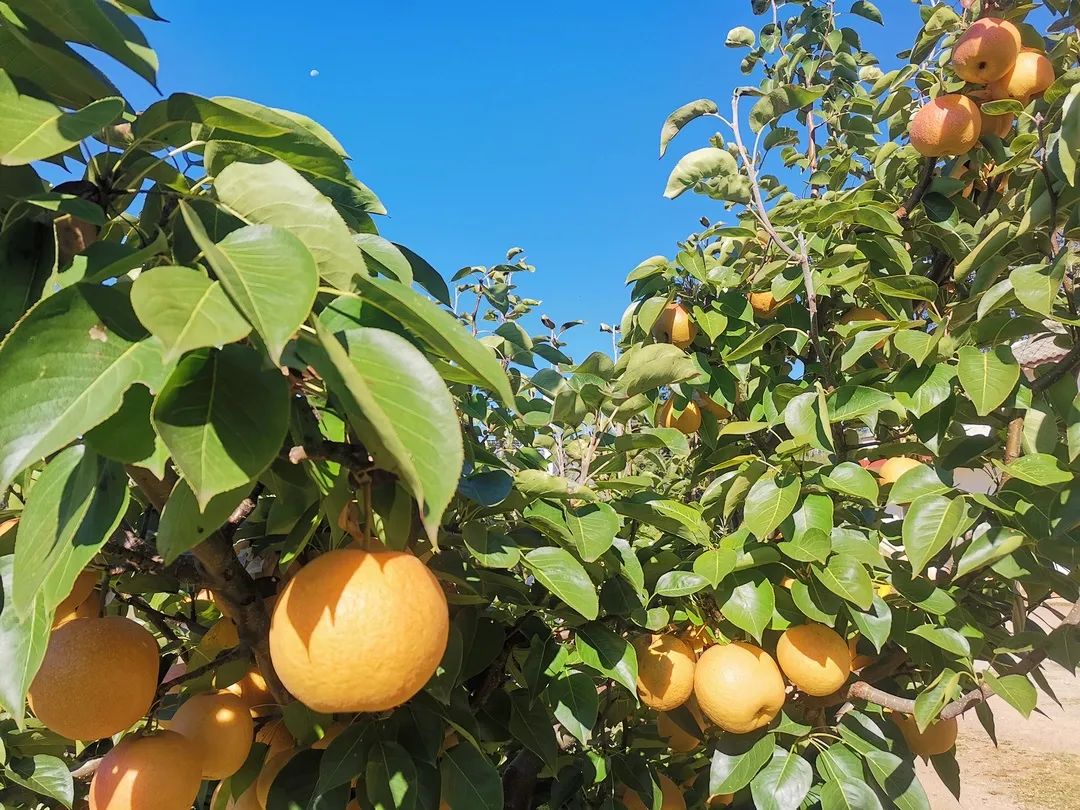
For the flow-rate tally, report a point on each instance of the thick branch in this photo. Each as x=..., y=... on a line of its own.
x=230, y=583
x=353, y=456
x=860, y=690
x=926, y=176
x=1063, y=366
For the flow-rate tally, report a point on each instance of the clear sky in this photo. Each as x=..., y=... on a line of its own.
x=486, y=125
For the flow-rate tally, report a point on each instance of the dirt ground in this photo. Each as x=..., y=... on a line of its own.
x=1037, y=763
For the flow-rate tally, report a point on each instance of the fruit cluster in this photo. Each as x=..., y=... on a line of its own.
x=989, y=53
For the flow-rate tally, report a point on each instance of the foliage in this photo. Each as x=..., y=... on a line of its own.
x=214, y=369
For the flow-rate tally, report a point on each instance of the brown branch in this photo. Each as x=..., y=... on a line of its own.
x=353, y=456
x=127, y=545
x=1013, y=440
x=861, y=690
x=1063, y=366
x=243, y=511
x=159, y=619
x=222, y=658
x=922, y=185
x=230, y=583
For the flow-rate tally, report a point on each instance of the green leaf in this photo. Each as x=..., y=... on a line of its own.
x=390, y=778
x=1016, y=690
x=783, y=783
x=65, y=368
x=32, y=129
x=773, y=105
x=839, y=763
x=987, y=377
x=920, y=390
x=920, y=480
x=1040, y=469
x=944, y=637
x=23, y=639
x=847, y=578
x=99, y=25
x=43, y=774
x=851, y=479
x=592, y=527
x=657, y=364
x=740, y=37
x=681, y=519
x=768, y=504
x=185, y=108
x=987, y=548
x=679, y=583
x=715, y=564
x=490, y=548
x=1037, y=285
x=864, y=8
x=916, y=344
x=469, y=779
x=897, y=778
x=749, y=606
x=184, y=525
x=276, y=194
x=128, y=435
x=76, y=503
x=267, y=272
x=440, y=330
x=750, y=346
x=931, y=524
x=530, y=723
x=400, y=408
x=855, y=401
x=731, y=772
x=850, y=794
x=915, y=288
x=683, y=116
x=185, y=310
x=1068, y=141
x=223, y=416
x=573, y=699
x=558, y=571
x=608, y=653
x=876, y=625
x=706, y=164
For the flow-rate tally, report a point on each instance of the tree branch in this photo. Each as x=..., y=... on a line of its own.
x=1063, y=366
x=230, y=583
x=926, y=177
x=353, y=456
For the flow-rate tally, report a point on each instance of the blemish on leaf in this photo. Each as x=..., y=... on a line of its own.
x=99, y=332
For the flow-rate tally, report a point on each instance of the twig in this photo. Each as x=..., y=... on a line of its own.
x=243, y=510
x=222, y=658
x=159, y=618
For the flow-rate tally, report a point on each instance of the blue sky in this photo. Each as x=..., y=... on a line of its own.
x=488, y=125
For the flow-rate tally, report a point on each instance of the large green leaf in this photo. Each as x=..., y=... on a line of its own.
x=735, y=762
x=987, y=377
x=645, y=368
x=1016, y=690
x=390, y=778
x=440, y=330
x=683, y=116
x=23, y=639
x=128, y=435
x=223, y=416
x=65, y=368
x=592, y=527
x=987, y=548
x=44, y=774
x=749, y=606
x=845, y=576
x=849, y=794
x=705, y=164
x=399, y=406
x=768, y=504
x=268, y=273
x=27, y=251
x=32, y=129
x=783, y=783
x=276, y=194
x=897, y=778
x=931, y=524
x=97, y=24
x=558, y=571
x=31, y=52
x=183, y=525
x=470, y=780
x=574, y=702
x=74, y=506
x=185, y=310
x=184, y=108
x=607, y=652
